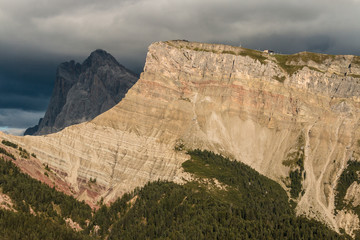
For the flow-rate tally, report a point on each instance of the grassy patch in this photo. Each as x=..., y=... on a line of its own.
x=256, y=55
x=229, y=52
x=295, y=62
x=315, y=69
x=202, y=50
x=315, y=57
x=354, y=75
x=282, y=62
x=356, y=60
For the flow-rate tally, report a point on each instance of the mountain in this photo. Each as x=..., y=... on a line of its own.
x=293, y=118
x=83, y=91
x=223, y=200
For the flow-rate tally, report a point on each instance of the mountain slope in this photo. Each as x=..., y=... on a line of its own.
x=83, y=91
x=293, y=118
x=223, y=200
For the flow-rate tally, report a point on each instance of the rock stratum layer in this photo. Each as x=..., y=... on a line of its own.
x=83, y=91
x=256, y=108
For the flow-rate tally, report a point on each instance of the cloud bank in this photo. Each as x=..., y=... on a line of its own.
x=37, y=35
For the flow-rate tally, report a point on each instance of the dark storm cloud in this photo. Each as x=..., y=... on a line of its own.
x=25, y=82
x=37, y=35
x=18, y=118
x=126, y=28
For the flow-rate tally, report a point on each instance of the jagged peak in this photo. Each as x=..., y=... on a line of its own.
x=100, y=57
x=100, y=53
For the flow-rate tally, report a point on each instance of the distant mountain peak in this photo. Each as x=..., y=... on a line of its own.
x=83, y=91
x=100, y=57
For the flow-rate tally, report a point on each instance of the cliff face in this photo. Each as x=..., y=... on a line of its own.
x=83, y=91
x=279, y=114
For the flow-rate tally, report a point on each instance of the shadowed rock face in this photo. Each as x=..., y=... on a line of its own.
x=83, y=91
x=257, y=108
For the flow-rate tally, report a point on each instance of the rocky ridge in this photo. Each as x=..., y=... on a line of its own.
x=245, y=104
x=83, y=91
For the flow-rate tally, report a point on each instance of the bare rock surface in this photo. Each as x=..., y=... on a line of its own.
x=83, y=91
x=244, y=104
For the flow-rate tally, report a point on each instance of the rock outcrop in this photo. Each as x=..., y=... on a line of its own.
x=83, y=91
x=277, y=113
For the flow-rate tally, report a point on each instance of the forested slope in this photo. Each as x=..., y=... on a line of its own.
x=225, y=200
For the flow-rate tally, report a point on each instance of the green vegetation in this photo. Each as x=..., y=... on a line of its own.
x=227, y=200
x=315, y=57
x=185, y=99
x=10, y=144
x=179, y=147
x=290, y=69
x=202, y=50
x=92, y=180
x=296, y=185
x=229, y=52
x=291, y=63
x=250, y=206
x=350, y=175
x=315, y=69
x=354, y=75
x=356, y=60
x=47, y=167
x=23, y=153
x=295, y=160
x=256, y=55
x=27, y=192
x=3, y=151
x=33, y=155
x=25, y=226
x=347, y=177
x=280, y=79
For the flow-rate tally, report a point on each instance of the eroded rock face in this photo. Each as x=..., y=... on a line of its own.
x=243, y=104
x=83, y=91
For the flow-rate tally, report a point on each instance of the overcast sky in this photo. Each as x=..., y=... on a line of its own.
x=37, y=35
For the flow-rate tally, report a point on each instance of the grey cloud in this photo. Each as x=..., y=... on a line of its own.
x=15, y=118
x=37, y=35
x=13, y=131
x=125, y=27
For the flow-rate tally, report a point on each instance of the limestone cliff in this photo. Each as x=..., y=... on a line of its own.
x=280, y=114
x=83, y=91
